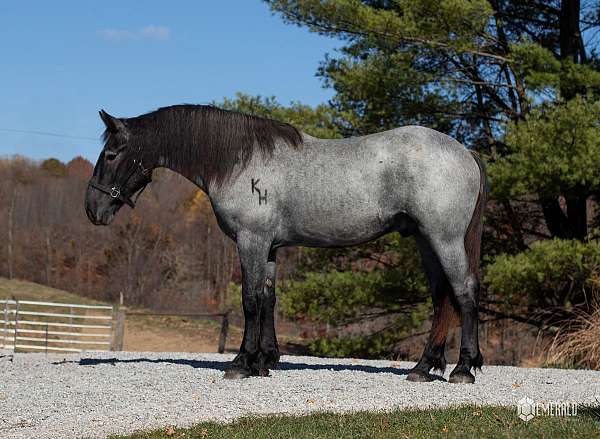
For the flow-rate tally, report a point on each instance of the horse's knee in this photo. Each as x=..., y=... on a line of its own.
x=269, y=283
x=468, y=295
x=269, y=286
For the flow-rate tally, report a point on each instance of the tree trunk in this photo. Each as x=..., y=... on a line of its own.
x=574, y=224
x=10, y=234
x=570, y=36
x=577, y=213
x=48, y=256
x=556, y=220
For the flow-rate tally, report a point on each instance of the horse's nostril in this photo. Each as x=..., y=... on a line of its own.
x=88, y=212
x=92, y=214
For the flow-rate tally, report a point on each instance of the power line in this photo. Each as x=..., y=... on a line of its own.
x=45, y=133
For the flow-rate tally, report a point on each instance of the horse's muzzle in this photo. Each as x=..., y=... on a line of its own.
x=100, y=217
x=99, y=208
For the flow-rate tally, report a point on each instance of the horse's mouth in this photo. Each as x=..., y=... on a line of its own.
x=101, y=219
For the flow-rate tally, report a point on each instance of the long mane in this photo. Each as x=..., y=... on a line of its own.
x=207, y=139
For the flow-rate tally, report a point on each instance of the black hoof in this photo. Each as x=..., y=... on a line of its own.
x=268, y=360
x=419, y=376
x=263, y=373
x=461, y=377
x=236, y=374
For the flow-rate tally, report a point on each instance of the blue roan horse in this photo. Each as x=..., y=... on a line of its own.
x=271, y=186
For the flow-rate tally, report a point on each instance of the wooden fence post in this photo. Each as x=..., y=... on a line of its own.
x=16, y=326
x=5, y=324
x=119, y=329
x=223, y=334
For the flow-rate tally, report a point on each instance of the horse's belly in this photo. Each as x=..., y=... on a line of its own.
x=333, y=222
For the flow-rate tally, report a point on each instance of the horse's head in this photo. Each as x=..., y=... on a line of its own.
x=119, y=172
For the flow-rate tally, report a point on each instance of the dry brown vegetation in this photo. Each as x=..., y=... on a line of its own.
x=578, y=344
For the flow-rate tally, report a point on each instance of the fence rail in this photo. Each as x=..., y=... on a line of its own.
x=47, y=327
x=37, y=332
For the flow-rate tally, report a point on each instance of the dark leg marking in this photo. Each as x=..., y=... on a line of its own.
x=465, y=285
x=254, y=252
x=470, y=356
x=445, y=315
x=269, y=348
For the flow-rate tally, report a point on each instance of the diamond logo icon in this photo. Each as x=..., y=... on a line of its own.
x=526, y=409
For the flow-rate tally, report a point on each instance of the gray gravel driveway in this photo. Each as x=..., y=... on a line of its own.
x=95, y=394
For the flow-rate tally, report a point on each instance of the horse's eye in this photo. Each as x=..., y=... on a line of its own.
x=110, y=155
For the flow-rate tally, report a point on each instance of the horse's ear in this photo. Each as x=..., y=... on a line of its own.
x=113, y=124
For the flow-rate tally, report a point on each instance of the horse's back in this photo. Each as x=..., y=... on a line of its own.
x=405, y=160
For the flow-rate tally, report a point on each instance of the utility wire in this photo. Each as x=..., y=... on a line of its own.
x=44, y=133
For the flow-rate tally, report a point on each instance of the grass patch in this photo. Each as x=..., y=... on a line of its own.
x=23, y=290
x=464, y=422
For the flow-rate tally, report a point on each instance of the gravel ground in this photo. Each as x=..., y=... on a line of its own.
x=93, y=395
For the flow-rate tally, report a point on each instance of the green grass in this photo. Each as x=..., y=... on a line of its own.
x=23, y=290
x=463, y=422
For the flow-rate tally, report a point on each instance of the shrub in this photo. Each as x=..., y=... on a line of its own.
x=553, y=275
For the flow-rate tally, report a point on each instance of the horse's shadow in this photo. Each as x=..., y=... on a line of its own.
x=222, y=365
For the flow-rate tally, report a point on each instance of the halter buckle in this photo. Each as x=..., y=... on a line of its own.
x=115, y=192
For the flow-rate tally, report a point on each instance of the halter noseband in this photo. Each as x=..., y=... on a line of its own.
x=115, y=190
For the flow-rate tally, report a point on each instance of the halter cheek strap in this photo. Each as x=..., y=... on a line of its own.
x=115, y=190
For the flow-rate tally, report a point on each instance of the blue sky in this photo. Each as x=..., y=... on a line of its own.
x=61, y=61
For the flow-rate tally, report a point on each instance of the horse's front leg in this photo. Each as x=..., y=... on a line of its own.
x=253, y=250
x=269, y=349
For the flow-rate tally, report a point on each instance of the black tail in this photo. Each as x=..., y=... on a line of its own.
x=475, y=229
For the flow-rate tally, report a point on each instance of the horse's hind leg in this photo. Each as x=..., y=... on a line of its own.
x=465, y=284
x=445, y=315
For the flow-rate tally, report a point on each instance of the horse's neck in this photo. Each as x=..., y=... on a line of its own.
x=193, y=176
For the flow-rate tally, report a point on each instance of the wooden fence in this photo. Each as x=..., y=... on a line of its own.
x=27, y=325
x=47, y=326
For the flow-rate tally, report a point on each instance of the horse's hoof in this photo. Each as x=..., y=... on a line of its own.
x=236, y=374
x=418, y=376
x=461, y=377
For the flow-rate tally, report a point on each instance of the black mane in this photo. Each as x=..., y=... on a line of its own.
x=206, y=139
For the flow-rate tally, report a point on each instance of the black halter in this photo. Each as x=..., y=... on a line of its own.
x=115, y=190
